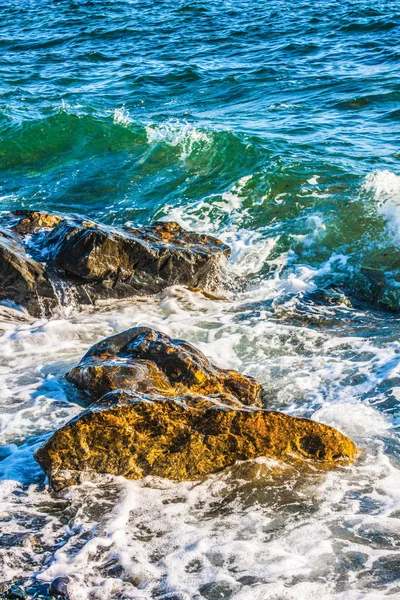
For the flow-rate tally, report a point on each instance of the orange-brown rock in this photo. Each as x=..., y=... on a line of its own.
x=31, y=221
x=146, y=361
x=184, y=438
x=170, y=413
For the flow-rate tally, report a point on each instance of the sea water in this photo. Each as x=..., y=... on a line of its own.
x=275, y=127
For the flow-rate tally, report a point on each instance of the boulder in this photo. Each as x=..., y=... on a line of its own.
x=160, y=408
x=148, y=361
x=75, y=259
x=59, y=587
x=23, y=280
x=121, y=262
x=181, y=438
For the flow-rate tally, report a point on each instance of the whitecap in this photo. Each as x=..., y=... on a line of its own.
x=385, y=186
x=183, y=134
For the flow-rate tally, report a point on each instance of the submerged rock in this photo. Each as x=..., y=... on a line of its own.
x=93, y=261
x=170, y=413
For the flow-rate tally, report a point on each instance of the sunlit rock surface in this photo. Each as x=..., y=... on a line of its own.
x=86, y=261
x=170, y=413
x=181, y=438
x=147, y=361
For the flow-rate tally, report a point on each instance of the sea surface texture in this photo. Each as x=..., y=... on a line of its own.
x=275, y=126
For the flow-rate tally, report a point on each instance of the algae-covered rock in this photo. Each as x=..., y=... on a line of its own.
x=170, y=413
x=181, y=438
x=83, y=261
x=147, y=361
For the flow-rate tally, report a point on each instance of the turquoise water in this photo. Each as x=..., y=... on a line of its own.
x=274, y=126
x=119, y=109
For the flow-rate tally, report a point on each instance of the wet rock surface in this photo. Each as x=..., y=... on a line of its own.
x=23, y=281
x=11, y=591
x=183, y=438
x=143, y=360
x=59, y=587
x=42, y=255
x=170, y=413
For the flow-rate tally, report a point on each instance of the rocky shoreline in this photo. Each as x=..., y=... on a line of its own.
x=157, y=406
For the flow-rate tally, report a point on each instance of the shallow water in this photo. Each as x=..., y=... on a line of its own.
x=275, y=127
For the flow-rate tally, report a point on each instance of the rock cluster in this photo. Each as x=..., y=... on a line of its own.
x=44, y=255
x=159, y=407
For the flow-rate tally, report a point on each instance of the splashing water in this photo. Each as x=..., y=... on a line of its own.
x=274, y=129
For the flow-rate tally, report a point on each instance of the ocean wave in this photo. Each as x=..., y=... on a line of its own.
x=69, y=130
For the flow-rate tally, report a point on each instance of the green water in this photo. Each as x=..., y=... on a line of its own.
x=119, y=109
x=275, y=126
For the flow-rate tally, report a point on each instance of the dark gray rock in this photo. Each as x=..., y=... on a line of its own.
x=11, y=591
x=47, y=260
x=124, y=262
x=217, y=590
x=59, y=587
x=23, y=280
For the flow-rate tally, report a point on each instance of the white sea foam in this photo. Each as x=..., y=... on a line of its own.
x=223, y=215
x=176, y=133
x=260, y=530
x=238, y=528
x=385, y=186
x=121, y=116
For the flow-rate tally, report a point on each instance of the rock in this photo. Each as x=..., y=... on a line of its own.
x=170, y=413
x=184, y=438
x=11, y=591
x=50, y=256
x=122, y=262
x=207, y=294
x=380, y=287
x=22, y=279
x=59, y=587
x=32, y=221
x=217, y=590
x=146, y=361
